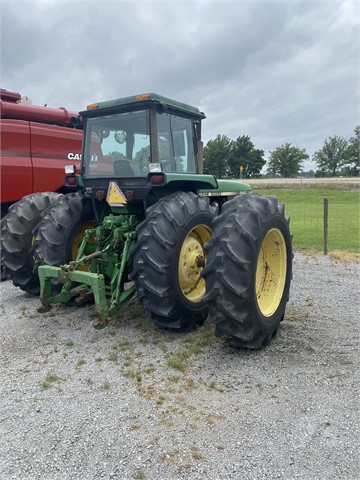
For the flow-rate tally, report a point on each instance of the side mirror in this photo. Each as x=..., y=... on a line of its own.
x=120, y=136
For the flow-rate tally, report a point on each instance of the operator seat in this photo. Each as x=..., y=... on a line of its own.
x=123, y=168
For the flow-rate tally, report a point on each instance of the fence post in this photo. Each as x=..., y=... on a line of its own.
x=326, y=225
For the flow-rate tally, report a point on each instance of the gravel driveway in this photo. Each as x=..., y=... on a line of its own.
x=135, y=402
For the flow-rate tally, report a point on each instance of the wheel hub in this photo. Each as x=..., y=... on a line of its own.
x=191, y=263
x=190, y=271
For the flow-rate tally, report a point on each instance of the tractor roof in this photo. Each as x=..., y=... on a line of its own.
x=144, y=100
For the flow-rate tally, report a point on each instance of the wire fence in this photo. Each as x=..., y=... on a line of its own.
x=326, y=225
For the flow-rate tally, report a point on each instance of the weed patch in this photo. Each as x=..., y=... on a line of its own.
x=50, y=379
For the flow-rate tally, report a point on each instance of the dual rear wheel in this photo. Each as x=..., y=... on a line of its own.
x=42, y=228
x=18, y=236
x=233, y=268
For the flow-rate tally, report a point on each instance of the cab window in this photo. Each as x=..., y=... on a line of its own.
x=175, y=144
x=118, y=145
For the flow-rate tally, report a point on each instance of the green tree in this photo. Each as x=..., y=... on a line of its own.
x=330, y=158
x=141, y=161
x=117, y=155
x=216, y=156
x=287, y=160
x=243, y=153
x=351, y=164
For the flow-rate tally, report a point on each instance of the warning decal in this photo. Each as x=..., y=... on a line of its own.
x=115, y=196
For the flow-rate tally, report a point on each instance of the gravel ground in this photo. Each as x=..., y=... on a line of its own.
x=135, y=402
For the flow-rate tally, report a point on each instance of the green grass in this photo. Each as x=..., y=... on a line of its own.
x=306, y=211
x=49, y=380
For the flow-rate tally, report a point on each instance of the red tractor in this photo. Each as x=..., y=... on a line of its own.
x=37, y=142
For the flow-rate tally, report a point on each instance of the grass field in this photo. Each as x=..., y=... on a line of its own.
x=306, y=210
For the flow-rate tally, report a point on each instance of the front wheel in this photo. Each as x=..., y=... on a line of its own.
x=169, y=257
x=249, y=270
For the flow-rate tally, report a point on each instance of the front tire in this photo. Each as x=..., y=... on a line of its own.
x=168, y=259
x=249, y=270
x=17, y=237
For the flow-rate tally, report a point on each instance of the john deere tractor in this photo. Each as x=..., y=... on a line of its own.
x=143, y=218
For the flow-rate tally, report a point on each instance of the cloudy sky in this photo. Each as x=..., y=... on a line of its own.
x=285, y=71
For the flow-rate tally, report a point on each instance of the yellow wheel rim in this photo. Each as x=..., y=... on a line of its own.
x=271, y=272
x=192, y=261
x=33, y=238
x=77, y=242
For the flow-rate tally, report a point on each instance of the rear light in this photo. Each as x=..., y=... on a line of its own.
x=71, y=181
x=157, y=179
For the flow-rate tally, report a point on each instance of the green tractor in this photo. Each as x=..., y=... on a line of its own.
x=144, y=219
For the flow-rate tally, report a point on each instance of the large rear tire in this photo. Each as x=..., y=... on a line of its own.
x=168, y=259
x=61, y=230
x=249, y=270
x=17, y=237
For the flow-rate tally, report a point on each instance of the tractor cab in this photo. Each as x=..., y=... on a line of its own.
x=134, y=142
x=133, y=136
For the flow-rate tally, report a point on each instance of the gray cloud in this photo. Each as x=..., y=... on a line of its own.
x=277, y=71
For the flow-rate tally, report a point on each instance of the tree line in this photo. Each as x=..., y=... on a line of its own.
x=228, y=158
